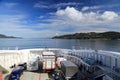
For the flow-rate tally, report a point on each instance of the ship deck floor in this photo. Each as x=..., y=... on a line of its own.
x=41, y=75
x=110, y=72
x=30, y=76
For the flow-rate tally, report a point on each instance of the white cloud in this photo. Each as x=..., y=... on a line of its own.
x=41, y=5
x=12, y=25
x=71, y=13
x=41, y=17
x=47, y=5
x=88, y=21
x=75, y=15
x=85, y=8
x=10, y=5
x=109, y=15
x=91, y=8
x=68, y=4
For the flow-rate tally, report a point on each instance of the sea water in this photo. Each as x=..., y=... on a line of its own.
x=26, y=43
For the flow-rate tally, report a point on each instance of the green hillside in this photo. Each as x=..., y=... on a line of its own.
x=4, y=36
x=91, y=35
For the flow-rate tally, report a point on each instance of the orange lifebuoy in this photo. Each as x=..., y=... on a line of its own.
x=1, y=75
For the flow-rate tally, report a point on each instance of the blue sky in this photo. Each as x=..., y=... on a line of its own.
x=47, y=18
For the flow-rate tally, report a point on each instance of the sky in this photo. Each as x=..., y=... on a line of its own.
x=48, y=18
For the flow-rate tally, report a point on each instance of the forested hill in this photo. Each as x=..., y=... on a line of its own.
x=4, y=36
x=111, y=35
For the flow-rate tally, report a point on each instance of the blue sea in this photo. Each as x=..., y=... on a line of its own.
x=26, y=43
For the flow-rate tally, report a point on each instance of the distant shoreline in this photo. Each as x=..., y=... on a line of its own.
x=85, y=39
x=2, y=36
x=12, y=38
x=110, y=35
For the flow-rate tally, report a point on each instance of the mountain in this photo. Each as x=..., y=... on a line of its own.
x=4, y=36
x=110, y=35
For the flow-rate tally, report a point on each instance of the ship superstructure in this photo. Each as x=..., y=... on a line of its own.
x=51, y=64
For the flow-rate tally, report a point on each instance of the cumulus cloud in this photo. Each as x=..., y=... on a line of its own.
x=71, y=13
x=109, y=15
x=88, y=21
x=75, y=15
